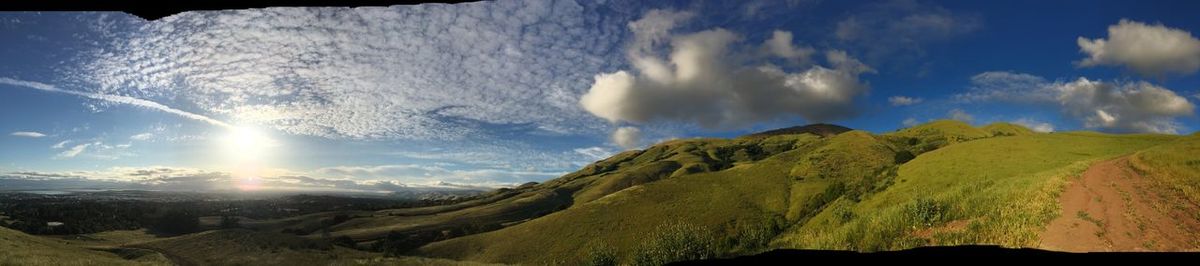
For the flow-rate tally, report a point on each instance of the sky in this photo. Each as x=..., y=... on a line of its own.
x=499, y=93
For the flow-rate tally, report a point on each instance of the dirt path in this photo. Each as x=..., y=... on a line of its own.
x=1113, y=208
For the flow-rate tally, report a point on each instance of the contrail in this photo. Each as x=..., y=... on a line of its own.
x=115, y=99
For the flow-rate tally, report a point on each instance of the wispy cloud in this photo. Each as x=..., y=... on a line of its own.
x=904, y=100
x=73, y=151
x=28, y=134
x=114, y=99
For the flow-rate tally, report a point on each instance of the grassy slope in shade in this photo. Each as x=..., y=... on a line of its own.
x=17, y=248
x=999, y=190
x=245, y=247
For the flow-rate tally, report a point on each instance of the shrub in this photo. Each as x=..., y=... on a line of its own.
x=676, y=242
x=926, y=211
x=904, y=156
x=600, y=254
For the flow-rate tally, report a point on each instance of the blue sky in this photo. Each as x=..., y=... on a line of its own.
x=500, y=93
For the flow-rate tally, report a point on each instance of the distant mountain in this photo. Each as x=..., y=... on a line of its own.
x=824, y=130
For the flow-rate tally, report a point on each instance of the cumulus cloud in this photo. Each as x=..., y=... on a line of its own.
x=960, y=115
x=904, y=100
x=423, y=72
x=28, y=134
x=627, y=137
x=702, y=83
x=908, y=122
x=1035, y=125
x=1150, y=50
x=1111, y=106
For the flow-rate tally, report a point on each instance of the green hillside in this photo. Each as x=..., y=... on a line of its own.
x=1007, y=129
x=941, y=183
x=853, y=191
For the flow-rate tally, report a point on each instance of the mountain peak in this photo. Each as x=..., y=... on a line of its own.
x=819, y=129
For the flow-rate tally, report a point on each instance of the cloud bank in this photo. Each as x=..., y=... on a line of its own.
x=707, y=79
x=1150, y=50
x=1111, y=106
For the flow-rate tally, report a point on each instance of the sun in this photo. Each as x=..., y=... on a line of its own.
x=247, y=151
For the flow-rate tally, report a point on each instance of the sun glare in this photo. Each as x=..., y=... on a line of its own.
x=247, y=151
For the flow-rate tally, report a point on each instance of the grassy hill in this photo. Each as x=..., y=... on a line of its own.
x=17, y=248
x=941, y=183
x=944, y=182
x=247, y=247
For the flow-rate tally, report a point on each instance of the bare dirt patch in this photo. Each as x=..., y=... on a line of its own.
x=1111, y=207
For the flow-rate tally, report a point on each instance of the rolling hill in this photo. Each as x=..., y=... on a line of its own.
x=812, y=187
x=858, y=191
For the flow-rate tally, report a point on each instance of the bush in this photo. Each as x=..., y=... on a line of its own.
x=676, y=242
x=904, y=156
x=600, y=254
x=926, y=211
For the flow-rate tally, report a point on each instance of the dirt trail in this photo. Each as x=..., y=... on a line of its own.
x=1113, y=208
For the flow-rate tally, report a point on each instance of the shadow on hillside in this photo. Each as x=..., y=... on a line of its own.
x=947, y=254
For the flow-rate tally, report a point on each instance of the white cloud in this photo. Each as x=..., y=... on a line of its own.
x=701, y=83
x=60, y=144
x=73, y=151
x=908, y=122
x=1119, y=107
x=595, y=153
x=903, y=100
x=1035, y=125
x=431, y=175
x=1150, y=50
x=142, y=136
x=27, y=134
x=114, y=99
x=627, y=137
x=960, y=115
x=93, y=150
x=192, y=179
x=781, y=45
x=424, y=72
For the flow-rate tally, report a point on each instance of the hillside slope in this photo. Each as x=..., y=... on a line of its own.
x=853, y=191
x=17, y=248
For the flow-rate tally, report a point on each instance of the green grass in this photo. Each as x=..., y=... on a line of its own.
x=798, y=191
x=1174, y=166
x=1006, y=188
